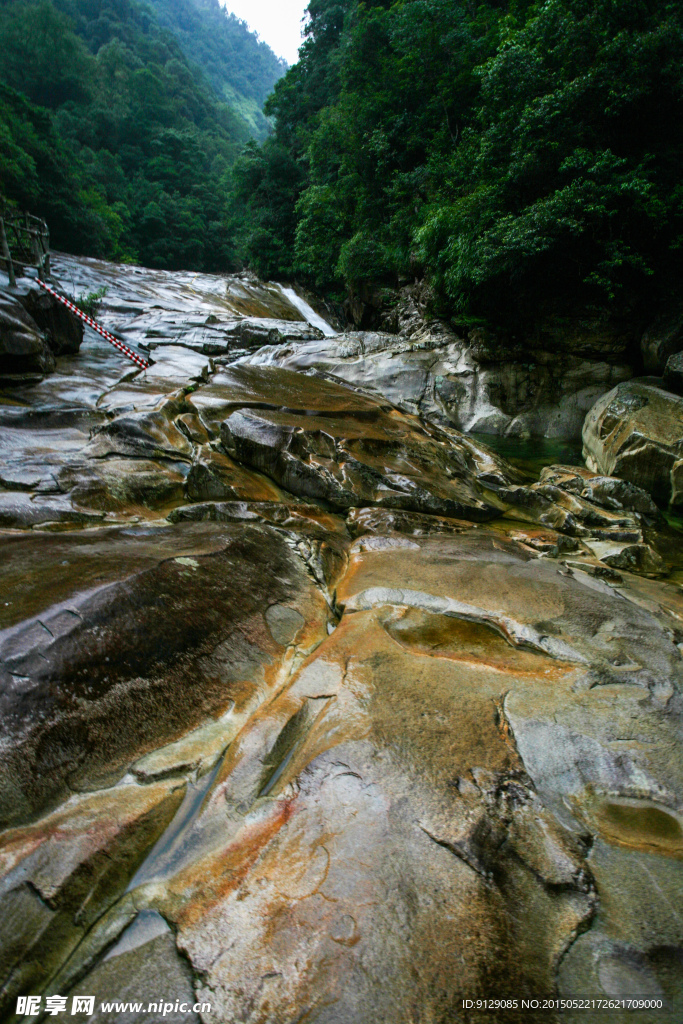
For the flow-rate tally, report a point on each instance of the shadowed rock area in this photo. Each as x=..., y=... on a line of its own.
x=315, y=708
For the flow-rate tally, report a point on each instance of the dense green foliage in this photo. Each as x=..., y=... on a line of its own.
x=520, y=155
x=110, y=132
x=241, y=68
x=524, y=157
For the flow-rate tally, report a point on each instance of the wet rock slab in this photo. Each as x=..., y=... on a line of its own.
x=286, y=732
x=319, y=439
x=61, y=874
x=427, y=369
x=209, y=313
x=484, y=745
x=161, y=628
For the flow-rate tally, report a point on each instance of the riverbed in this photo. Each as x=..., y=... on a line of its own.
x=314, y=706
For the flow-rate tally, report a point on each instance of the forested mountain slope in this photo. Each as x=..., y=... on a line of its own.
x=113, y=132
x=524, y=157
x=241, y=68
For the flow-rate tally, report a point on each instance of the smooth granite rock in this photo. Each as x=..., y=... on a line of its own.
x=64, y=871
x=636, y=432
x=427, y=369
x=319, y=439
x=287, y=736
x=435, y=770
x=156, y=626
x=208, y=313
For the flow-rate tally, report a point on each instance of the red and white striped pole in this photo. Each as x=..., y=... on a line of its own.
x=138, y=360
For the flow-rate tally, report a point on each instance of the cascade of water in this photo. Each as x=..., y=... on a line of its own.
x=308, y=312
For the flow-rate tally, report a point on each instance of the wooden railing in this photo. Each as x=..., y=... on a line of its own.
x=24, y=242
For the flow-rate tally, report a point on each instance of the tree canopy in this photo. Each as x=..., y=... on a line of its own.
x=520, y=155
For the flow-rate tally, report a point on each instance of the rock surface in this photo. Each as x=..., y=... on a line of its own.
x=661, y=340
x=210, y=314
x=636, y=432
x=314, y=709
x=34, y=328
x=673, y=373
x=426, y=368
x=320, y=440
x=56, y=705
x=24, y=352
x=62, y=330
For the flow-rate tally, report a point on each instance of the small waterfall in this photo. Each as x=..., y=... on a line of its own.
x=308, y=313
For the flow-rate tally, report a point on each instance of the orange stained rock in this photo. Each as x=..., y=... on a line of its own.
x=375, y=520
x=437, y=716
x=383, y=797
x=434, y=719
x=204, y=883
x=237, y=386
x=475, y=569
x=473, y=643
x=96, y=824
x=534, y=537
x=637, y=825
x=215, y=475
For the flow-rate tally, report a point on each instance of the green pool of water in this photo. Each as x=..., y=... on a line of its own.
x=675, y=521
x=530, y=455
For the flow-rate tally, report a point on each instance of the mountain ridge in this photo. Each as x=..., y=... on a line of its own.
x=245, y=89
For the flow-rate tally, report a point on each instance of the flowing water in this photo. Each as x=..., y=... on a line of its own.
x=308, y=312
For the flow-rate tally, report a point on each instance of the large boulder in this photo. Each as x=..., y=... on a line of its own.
x=24, y=352
x=63, y=331
x=636, y=432
x=34, y=328
x=673, y=373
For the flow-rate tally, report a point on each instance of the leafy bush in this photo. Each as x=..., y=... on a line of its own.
x=91, y=302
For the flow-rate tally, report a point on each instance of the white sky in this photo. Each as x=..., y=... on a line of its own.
x=278, y=22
